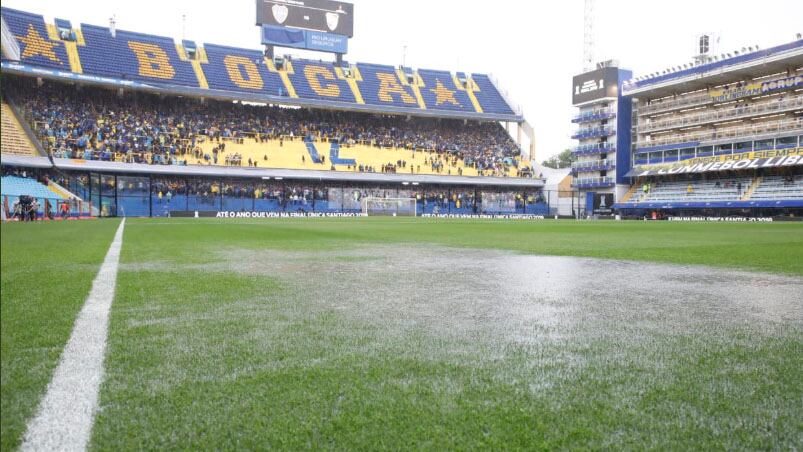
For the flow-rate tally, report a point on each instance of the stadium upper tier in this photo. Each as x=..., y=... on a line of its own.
x=95, y=54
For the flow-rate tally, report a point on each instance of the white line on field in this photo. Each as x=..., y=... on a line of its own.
x=65, y=415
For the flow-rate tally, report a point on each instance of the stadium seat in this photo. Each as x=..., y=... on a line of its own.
x=318, y=80
x=233, y=69
x=488, y=96
x=37, y=46
x=288, y=154
x=778, y=187
x=134, y=56
x=15, y=141
x=724, y=189
x=441, y=93
x=160, y=60
x=381, y=86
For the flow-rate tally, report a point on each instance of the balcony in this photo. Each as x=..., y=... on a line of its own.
x=727, y=114
x=590, y=149
x=740, y=132
x=583, y=134
x=596, y=115
x=594, y=165
x=593, y=182
x=675, y=104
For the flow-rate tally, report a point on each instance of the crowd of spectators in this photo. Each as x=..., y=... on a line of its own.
x=137, y=127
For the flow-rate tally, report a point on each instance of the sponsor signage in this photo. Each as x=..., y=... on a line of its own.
x=258, y=215
x=736, y=219
x=594, y=85
x=603, y=203
x=746, y=160
x=264, y=215
x=304, y=39
x=756, y=88
x=326, y=42
x=321, y=15
x=509, y=216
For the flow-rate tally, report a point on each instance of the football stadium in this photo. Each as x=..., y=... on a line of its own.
x=213, y=247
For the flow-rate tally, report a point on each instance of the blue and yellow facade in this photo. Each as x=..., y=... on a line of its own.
x=96, y=54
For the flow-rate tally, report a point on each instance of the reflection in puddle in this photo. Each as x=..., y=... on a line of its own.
x=500, y=296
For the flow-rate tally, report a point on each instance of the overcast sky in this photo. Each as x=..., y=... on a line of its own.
x=533, y=48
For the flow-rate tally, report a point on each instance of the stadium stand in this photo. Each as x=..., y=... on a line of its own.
x=39, y=42
x=778, y=187
x=18, y=186
x=133, y=56
x=488, y=95
x=15, y=140
x=319, y=80
x=727, y=189
x=233, y=69
x=104, y=103
x=381, y=85
x=143, y=128
x=736, y=122
x=47, y=194
x=439, y=91
x=737, y=188
x=334, y=156
x=161, y=62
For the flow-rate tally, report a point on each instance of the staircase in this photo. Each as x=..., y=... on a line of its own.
x=630, y=193
x=15, y=140
x=752, y=188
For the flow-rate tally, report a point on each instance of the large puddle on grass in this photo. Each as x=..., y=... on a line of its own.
x=493, y=296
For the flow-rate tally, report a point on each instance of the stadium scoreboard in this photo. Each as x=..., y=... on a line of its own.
x=321, y=25
x=327, y=16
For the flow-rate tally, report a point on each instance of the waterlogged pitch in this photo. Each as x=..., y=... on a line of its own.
x=398, y=333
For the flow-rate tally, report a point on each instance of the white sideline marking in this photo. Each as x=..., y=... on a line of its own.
x=66, y=412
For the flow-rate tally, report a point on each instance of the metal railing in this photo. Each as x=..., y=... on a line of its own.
x=722, y=115
x=683, y=102
x=594, y=148
x=594, y=132
x=722, y=134
x=604, y=113
x=605, y=163
x=593, y=181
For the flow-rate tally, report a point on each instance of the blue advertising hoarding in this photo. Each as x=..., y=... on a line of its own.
x=304, y=39
x=327, y=42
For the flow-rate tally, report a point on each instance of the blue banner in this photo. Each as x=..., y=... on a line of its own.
x=304, y=39
x=326, y=42
x=281, y=36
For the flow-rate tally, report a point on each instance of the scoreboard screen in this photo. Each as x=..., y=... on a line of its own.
x=328, y=16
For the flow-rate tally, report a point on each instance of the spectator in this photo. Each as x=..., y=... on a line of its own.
x=144, y=128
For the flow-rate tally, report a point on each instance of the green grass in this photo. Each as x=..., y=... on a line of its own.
x=217, y=342
x=751, y=246
x=47, y=270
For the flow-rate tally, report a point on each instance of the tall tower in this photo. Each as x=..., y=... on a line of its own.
x=588, y=36
x=603, y=127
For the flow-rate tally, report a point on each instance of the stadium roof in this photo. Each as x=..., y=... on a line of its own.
x=750, y=65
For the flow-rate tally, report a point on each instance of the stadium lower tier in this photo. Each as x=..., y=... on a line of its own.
x=40, y=196
x=158, y=196
x=733, y=192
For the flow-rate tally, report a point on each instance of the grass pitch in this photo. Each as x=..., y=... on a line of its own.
x=399, y=333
